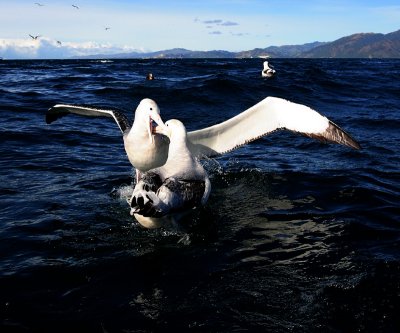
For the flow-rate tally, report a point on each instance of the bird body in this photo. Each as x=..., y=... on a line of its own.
x=179, y=185
x=145, y=149
x=267, y=70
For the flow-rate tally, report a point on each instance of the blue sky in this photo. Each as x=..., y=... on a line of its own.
x=153, y=25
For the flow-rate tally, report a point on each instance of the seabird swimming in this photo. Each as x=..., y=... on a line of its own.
x=145, y=149
x=267, y=71
x=181, y=184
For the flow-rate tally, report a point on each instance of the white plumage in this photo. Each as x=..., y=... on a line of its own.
x=267, y=116
x=267, y=71
x=179, y=185
x=145, y=149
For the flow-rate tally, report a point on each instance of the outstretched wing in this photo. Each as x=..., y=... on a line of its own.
x=267, y=116
x=60, y=110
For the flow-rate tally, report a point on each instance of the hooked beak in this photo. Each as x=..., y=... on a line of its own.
x=155, y=117
x=163, y=129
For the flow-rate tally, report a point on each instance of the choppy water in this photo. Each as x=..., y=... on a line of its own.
x=297, y=236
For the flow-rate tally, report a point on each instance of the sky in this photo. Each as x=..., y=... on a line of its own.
x=119, y=26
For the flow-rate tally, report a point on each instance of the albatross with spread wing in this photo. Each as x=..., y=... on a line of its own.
x=147, y=149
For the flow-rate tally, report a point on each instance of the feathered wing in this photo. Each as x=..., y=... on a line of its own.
x=269, y=115
x=60, y=110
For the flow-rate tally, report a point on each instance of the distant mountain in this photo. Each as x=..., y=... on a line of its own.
x=361, y=45
x=165, y=54
x=183, y=53
x=285, y=51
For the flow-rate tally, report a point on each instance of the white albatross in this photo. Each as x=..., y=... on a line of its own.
x=178, y=186
x=267, y=71
x=146, y=151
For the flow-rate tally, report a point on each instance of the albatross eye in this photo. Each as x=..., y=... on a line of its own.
x=151, y=109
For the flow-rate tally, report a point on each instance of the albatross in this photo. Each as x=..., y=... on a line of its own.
x=145, y=149
x=179, y=181
x=148, y=150
x=267, y=71
x=178, y=186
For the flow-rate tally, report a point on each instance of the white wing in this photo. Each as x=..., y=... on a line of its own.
x=265, y=117
x=60, y=110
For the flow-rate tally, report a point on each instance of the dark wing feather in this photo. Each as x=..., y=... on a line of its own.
x=60, y=110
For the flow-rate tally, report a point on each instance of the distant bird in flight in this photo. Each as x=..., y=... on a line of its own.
x=34, y=37
x=58, y=42
x=39, y=4
x=107, y=28
x=75, y=6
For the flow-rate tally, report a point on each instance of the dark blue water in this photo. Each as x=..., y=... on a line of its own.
x=297, y=236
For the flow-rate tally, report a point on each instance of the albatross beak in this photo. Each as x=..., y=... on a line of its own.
x=164, y=130
x=154, y=116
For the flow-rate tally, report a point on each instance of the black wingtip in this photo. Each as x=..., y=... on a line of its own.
x=340, y=136
x=335, y=134
x=50, y=118
x=52, y=115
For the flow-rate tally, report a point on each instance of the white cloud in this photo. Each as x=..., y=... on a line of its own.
x=49, y=48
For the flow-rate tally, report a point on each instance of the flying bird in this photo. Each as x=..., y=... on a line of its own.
x=107, y=28
x=39, y=4
x=58, y=42
x=75, y=6
x=34, y=37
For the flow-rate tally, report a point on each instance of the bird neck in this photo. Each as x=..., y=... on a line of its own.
x=140, y=127
x=178, y=150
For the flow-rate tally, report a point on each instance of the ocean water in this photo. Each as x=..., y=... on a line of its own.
x=297, y=236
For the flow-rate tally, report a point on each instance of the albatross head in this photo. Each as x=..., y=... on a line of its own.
x=146, y=113
x=173, y=129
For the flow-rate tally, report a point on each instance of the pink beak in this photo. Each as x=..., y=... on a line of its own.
x=154, y=116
